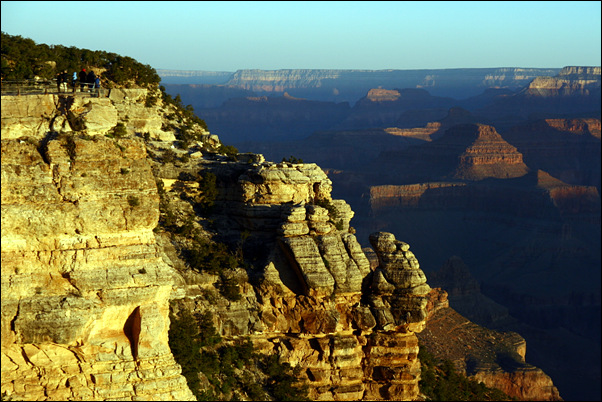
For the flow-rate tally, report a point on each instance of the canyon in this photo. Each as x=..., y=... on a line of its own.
x=91, y=281
x=505, y=177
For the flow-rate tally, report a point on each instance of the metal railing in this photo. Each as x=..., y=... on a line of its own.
x=37, y=87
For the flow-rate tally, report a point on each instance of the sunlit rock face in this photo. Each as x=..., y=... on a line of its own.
x=314, y=300
x=573, y=91
x=571, y=80
x=38, y=115
x=84, y=289
x=468, y=152
x=354, y=340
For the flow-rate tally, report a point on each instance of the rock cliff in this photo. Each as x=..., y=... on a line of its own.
x=84, y=290
x=316, y=302
x=574, y=91
x=566, y=141
x=38, y=115
x=537, y=194
x=86, y=283
x=89, y=280
x=569, y=81
x=349, y=85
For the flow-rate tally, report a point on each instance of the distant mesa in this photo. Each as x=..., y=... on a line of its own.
x=575, y=90
x=404, y=108
x=570, y=81
x=350, y=85
x=383, y=95
x=566, y=141
x=421, y=133
x=465, y=152
x=581, y=73
x=489, y=155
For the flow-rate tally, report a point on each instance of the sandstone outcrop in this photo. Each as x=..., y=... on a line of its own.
x=569, y=81
x=488, y=156
x=399, y=285
x=574, y=90
x=316, y=302
x=37, y=115
x=422, y=133
x=382, y=95
x=84, y=290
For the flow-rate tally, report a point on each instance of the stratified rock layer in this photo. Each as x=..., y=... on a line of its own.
x=37, y=115
x=84, y=290
x=308, y=305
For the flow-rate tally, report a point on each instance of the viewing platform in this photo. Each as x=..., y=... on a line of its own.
x=46, y=87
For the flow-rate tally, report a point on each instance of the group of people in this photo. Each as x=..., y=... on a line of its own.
x=88, y=77
x=87, y=80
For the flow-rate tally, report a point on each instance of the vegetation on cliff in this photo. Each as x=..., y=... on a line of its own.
x=441, y=382
x=22, y=59
x=182, y=120
x=218, y=371
x=200, y=252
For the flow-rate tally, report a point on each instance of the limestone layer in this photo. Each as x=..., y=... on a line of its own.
x=84, y=290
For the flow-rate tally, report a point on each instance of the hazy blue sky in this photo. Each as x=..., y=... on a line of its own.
x=227, y=36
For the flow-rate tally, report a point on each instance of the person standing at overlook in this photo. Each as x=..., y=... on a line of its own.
x=59, y=81
x=97, y=86
x=82, y=79
x=91, y=80
x=65, y=81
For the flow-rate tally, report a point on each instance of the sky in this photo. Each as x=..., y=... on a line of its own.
x=373, y=35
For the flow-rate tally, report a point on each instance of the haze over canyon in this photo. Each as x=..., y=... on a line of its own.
x=497, y=167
